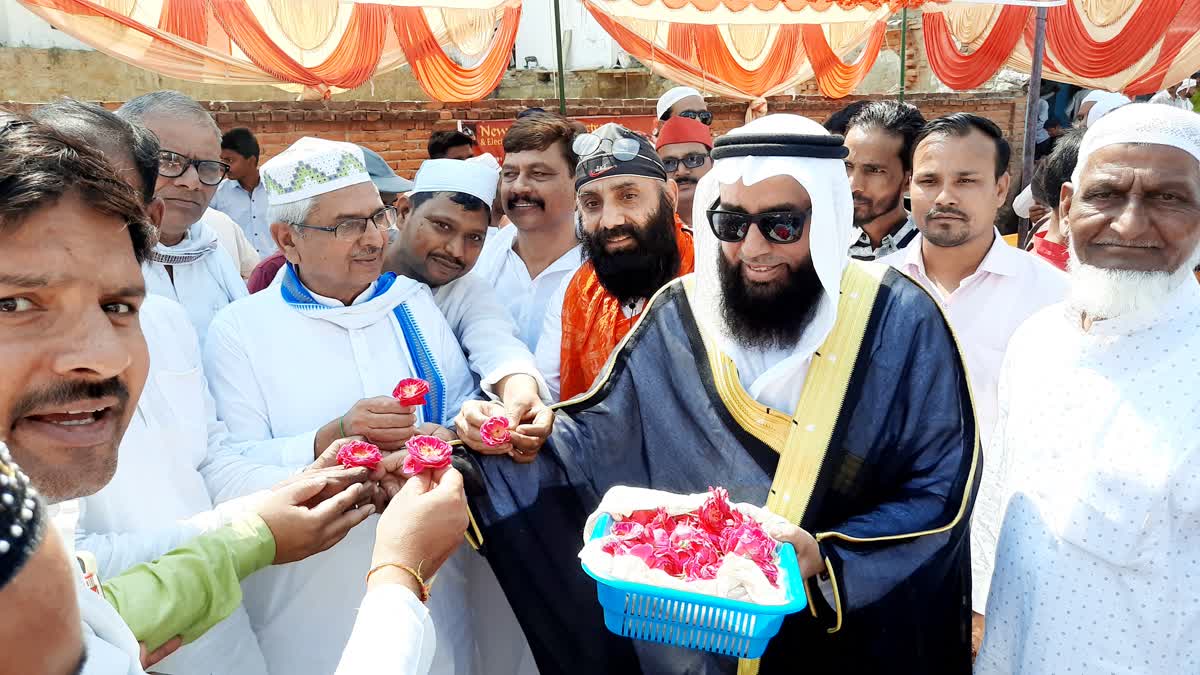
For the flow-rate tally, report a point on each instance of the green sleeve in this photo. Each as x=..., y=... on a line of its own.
x=194, y=587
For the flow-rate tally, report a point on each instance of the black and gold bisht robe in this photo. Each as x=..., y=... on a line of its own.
x=890, y=501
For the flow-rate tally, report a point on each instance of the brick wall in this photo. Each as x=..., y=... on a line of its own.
x=399, y=130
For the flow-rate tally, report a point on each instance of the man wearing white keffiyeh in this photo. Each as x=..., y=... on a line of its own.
x=1095, y=559
x=188, y=264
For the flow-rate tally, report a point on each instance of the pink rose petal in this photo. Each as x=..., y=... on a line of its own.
x=425, y=452
x=359, y=453
x=411, y=391
x=495, y=432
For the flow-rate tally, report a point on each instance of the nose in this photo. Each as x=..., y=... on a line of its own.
x=856, y=180
x=92, y=347
x=755, y=245
x=190, y=178
x=1133, y=221
x=374, y=236
x=611, y=216
x=946, y=196
x=456, y=247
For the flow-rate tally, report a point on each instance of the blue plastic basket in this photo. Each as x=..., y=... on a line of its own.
x=694, y=620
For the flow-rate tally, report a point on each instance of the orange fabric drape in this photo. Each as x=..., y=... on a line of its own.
x=593, y=323
x=784, y=58
x=185, y=18
x=967, y=71
x=1179, y=32
x=443, y=79
x=836, y=78
x=1074, y=48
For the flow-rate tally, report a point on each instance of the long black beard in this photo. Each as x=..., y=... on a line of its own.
x=766, y=316
x=642, y=270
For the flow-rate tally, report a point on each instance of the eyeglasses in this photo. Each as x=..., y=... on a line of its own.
x=352, y=228
x=693, y=160
x=702, y=116
x=173, y=165
x=623, y=149
x=780, y=227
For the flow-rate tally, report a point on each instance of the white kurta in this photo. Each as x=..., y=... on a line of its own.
x=527, y=299
x=1009, y=286
x=1097, y=561
x=278, y=375
x=173, y=453
x=233, y=240
x=202, y=287
x=387, y=612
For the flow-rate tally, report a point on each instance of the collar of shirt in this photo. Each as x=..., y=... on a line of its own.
x=897, y=239
x=567, y=262
x=1000, y=259
x=331, y=302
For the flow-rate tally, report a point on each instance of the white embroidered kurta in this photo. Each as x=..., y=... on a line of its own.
x=173, y=453
x=202, y=287
x=1099, y=552
x=1009, y=286
x=278, y=375
x=526, y=299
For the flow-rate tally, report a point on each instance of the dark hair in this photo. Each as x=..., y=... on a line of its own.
x=242, y=141
x=530, y=111
x=540, y=131
x=440, y=142
x=38, y=166
x=90, y=125
x=899, y=119
x=962, y=124
x=840, y=120
x=468, y=202
x=1057, y=168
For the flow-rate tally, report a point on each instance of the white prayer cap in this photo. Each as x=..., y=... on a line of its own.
x=1189, y=83
x=1105, y=102
x=1141, y=123
x=487, y=159
x=1024, y=202
x=475, y=178
x=821, y=171
x=674, y=96
x=311, y=167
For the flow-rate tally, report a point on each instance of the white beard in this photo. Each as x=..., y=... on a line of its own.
x=1102, y=293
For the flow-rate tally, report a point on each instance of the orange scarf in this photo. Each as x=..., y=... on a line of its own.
x=593, y=323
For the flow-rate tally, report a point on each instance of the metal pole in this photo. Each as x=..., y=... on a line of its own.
x=562, y=85
x=1031, y=115
x=903, y=50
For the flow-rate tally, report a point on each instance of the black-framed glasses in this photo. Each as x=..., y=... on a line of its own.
x=623, y=149
x=778, y=227
x=702, y=116
x=352, y=228
x=171, y=164
x=692, y=160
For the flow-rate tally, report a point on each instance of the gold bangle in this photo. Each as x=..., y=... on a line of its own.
x=416, y=573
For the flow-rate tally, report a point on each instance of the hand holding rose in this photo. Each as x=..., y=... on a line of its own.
x=382, y=420
x=421, y=527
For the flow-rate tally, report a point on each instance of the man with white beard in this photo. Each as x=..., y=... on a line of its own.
x=1096, y=559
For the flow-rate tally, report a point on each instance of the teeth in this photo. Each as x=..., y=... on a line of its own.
x=82, y=412
x=75, y=423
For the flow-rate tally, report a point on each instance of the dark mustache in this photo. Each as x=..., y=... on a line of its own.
x=934, y=213
x=685, y=179
x=449, y=259
x=619, y=231
x=63, y=393
x=512, y=201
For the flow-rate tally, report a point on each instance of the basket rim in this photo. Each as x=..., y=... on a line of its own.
x=797, y=598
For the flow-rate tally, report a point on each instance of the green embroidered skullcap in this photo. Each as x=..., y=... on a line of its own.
x=311, y=167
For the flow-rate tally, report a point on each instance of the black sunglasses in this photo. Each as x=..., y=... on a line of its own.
x=693, y=160
x=702, y=116
x=171, y=164
x=779, y=227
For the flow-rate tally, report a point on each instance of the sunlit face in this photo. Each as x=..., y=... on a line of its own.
x=685, y=176
x=239, y=167
x=439, y=240
x=613, y=206
x=1137, y=207
x=876, y=172
x=184, y=197
x=537, y=189
x=765, y=264
x=328, y=264
x=75, y=359
x=955, y=193
x=40, y=630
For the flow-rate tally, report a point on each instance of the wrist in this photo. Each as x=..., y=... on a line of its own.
x=386, y=576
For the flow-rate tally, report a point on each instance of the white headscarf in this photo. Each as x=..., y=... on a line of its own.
x=830, y=224
x=1106, y=102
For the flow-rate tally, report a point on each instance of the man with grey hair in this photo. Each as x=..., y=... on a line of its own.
x=188, y=264
x=1095, y=561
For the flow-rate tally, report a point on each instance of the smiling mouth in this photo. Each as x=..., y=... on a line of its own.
x=521, y=204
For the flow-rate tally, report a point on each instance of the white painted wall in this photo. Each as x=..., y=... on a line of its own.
x=585, y=44
x=21, y=28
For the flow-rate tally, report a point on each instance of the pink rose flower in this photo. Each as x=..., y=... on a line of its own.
x=425, y=452
x=495, y=431
x=411, y=391
x=717, y=514
x=359, y=453
x=627, y=530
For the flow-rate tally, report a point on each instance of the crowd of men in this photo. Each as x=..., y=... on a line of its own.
x=987, y=455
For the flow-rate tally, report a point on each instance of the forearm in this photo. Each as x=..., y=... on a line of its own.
x=195, y=586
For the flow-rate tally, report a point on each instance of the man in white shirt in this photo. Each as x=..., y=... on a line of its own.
x=986, y=287
x=1097, y=555
x=316, y=358
x=1179, y=96
x=188, y=265
x=242, y=196
x=880, y=138
x=526, y=262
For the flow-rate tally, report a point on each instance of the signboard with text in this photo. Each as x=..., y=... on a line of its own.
x=490, y=133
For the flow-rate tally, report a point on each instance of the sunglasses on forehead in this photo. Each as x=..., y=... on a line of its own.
x=777, y=227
